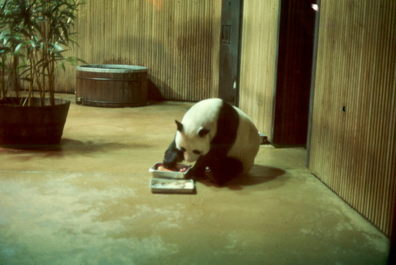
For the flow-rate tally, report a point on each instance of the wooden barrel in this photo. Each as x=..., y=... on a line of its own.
x=111, y=85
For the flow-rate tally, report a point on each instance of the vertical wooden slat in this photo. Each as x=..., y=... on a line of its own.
x=353, y=151
x=258, y=61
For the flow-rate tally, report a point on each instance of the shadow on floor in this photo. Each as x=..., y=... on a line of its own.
x=258, y=175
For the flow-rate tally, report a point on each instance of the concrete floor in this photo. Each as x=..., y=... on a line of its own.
x=90, y=203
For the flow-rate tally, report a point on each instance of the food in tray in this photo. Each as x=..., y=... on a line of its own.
x=179, y=168
x=159, y=170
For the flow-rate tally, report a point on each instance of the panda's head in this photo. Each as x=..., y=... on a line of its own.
x=193, y=142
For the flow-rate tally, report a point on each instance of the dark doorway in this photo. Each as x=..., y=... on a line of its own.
x=231, y=21
x=296, y=39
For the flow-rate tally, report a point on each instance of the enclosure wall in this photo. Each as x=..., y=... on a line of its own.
x=258, y=61
x=177, y=40
x=353, y=145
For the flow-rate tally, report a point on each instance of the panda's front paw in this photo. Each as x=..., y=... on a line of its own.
x=209, y=174
x=189, y=174
x=195, y=173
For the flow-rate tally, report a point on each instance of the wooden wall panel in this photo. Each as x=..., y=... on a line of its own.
x=177, y=40
x=258, y=61
x=353, y=135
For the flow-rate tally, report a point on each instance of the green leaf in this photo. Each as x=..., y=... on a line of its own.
x=58, y=48
x=18, y=47
x=33, y=44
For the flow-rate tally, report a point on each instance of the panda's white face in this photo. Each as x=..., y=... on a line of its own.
x=192, y=144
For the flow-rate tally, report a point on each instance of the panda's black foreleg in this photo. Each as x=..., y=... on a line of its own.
x=198, y=170
x=172, y=156
x=225, y=169
x=221, y=169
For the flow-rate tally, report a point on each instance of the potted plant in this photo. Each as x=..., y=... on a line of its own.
x=34, y=35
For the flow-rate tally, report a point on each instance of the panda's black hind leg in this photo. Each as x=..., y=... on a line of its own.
x=225, y=170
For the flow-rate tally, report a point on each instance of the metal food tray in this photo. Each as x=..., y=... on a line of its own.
x=164, y=185
x=169, y=174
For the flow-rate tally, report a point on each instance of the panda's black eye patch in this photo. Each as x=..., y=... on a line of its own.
x=196, y=152
x=182, y=149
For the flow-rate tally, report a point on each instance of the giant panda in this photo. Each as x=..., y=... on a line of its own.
x=220, y=138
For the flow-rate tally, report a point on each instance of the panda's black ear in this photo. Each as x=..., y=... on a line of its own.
x=179, y=126
x=202, y=132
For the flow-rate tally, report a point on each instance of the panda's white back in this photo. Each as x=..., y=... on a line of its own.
x=202, y=114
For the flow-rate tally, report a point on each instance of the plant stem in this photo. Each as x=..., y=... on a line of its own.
x=14, y=75
x=51, y=78
x=3, y=93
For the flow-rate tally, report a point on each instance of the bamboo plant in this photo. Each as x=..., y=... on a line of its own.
x=34, y=36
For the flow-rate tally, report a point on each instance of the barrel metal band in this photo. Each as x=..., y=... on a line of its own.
x=104, y=79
